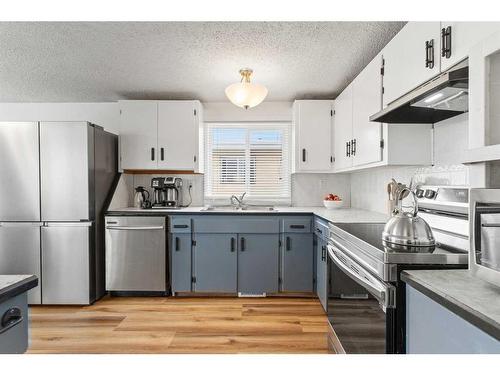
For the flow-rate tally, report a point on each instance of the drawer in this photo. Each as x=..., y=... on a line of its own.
x=321, y=228
x=301, y=224
x=180, y=224
x=235, y=224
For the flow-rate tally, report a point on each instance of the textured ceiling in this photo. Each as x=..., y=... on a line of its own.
x=107, y=61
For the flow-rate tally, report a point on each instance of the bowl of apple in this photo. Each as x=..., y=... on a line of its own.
x=333, y=201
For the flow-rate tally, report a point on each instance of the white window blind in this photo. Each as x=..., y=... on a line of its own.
x=247, y=157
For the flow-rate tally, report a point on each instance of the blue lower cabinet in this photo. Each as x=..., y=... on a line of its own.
x=180, y=262
x=433, y=329
x=215, y=262
x=258, y=266
x=321, y=271
x=297, y=257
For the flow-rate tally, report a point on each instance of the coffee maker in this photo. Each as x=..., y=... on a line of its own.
x=167, y=192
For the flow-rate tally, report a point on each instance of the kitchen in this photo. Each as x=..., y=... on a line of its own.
x=350, y=209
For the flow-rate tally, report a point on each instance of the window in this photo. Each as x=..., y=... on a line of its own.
x=247, y=157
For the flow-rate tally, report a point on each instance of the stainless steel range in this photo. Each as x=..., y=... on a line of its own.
x=376, y=324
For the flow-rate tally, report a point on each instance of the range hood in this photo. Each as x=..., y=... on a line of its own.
x=440, y=98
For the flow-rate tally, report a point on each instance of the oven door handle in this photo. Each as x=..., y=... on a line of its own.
x=383, y=293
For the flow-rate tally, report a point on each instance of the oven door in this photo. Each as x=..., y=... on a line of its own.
x=360, y=325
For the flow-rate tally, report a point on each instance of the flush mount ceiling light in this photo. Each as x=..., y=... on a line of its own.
x=245, y=94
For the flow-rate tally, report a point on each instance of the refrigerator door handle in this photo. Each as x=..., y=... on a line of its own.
x=68, y=224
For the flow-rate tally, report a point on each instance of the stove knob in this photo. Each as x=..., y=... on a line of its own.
x=430, y=194
x=419, y=193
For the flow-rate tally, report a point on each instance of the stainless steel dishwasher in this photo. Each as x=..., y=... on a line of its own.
x=136, y=255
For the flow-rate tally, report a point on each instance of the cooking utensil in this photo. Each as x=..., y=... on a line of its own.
x=405, y=231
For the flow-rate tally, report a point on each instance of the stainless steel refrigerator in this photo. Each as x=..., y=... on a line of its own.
x=56, y=178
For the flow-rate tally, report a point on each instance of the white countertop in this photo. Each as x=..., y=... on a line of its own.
x=343, y=215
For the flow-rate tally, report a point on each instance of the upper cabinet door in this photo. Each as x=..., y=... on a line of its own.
x=138, y=134
x=178, y=135
x=343, y=129
x=484, y=96
x=411, y=58
x=313, y=126
x=457, y=38
x=367, y=100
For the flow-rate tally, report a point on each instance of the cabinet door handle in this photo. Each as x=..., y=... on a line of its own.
x=323, y=253
x=353, y=147
x=446, y=42
x=162, y=153
x=242, y=243
x=348, y=149
x=152, y=153
x=177, y=244
x=429, y=54
x=233, y=244
x=288, y=244
x=304, y=155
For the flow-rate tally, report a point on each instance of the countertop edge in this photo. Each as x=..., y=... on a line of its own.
x=380, y=218
x=19, y=287
x=484, y=323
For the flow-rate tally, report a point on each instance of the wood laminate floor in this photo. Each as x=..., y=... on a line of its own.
x=181, y=325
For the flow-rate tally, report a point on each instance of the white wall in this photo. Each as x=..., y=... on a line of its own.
x=103, y=114
x=267, y=111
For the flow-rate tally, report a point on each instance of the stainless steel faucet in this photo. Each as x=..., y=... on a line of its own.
x=239, y=201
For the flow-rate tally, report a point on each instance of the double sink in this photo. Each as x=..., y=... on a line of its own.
x=240, y=208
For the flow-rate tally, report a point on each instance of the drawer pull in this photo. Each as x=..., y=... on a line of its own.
x=297, y=226
x=181, y=226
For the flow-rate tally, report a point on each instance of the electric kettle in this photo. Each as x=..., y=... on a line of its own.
x=141, y=196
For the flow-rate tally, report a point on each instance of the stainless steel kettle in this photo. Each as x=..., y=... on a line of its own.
x=407, y=232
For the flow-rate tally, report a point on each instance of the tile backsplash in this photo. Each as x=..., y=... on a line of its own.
x=309, y=189
x=134, y=180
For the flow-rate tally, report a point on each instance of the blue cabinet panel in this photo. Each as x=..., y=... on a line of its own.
x=433, y=329
x=180, y=262
x=235, y=224
x=297, y=262
x=258, y=263
x=321, y=271
x=215, y=262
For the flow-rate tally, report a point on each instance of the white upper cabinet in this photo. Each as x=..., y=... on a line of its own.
x=367, y=100
x=411, y=58
x=138, y=134
x=343, y=129
x=484, y=96
x=457, y=38
x=312, y=135
x=178, y=128
x=159, y=135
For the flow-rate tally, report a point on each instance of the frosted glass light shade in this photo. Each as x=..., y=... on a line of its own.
x=246, y=94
